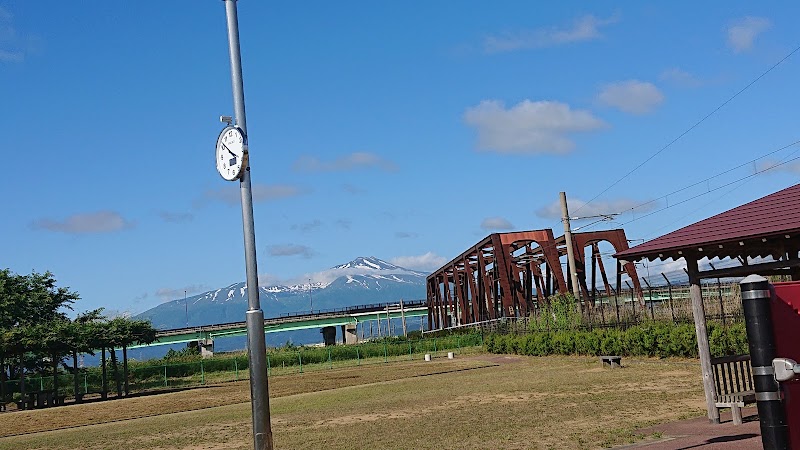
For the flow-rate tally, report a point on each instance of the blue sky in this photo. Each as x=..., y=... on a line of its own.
x=407, y=131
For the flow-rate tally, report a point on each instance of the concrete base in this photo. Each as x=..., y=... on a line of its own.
x=329, y=335
x=206, y=348
x=350, y=336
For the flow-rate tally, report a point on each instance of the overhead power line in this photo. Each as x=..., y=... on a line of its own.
x=706, y=180
x=703, y=181
x=713, y=190
x=698, y=123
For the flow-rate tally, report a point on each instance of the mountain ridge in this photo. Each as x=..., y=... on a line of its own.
x=360, y=281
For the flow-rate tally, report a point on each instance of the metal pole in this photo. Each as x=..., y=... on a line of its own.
x=388, y=323
x=186, y=307
x=256, y=345
x=758, y=321
x=669, y=286
x=650, y=294
x=633, y=301
x=403, y=317
x=576, y=291
x=616, y=291
x=719, y=293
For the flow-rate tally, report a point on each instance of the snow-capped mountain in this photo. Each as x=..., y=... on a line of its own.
x=361, y=281
x=373, y=263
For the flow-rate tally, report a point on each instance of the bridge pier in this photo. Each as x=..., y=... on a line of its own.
x=329, y=335
x=350, y=334
x=206, y=347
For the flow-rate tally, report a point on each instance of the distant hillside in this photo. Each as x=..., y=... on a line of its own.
x=361, y=281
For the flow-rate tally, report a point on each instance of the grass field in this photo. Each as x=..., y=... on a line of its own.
x=474, y=401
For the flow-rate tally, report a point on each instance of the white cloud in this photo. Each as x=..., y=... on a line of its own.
x=680, y=77
x=743, y=32
x=96, y=222
x=175, y=217
x=268, y=279
x=13, y=44
x=596, y=208
x=529, y=126
x=584, y=28
x=631, y=96
x=325, y=277
x=167, y=294
x=290, y=250
x=426, y=262
x=353, y=189
x=306, y=227
x=496, y=223
x=231, y=194
x=9, y=56
x=353, y=161
x=774, y=166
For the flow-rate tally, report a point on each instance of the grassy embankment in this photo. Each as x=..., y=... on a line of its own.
x=478, y=401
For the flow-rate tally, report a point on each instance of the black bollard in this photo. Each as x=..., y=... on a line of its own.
x=758, y=320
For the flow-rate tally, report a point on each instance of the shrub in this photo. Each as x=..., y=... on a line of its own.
x=660, y=339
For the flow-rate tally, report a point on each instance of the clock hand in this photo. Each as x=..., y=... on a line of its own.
x=229, y=150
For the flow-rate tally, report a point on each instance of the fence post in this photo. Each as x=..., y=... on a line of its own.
x=458, y=342
x=165, y=375
x=269, y=366
x=300, y=357
x=236, y=368
x=434, y=344
x=41, y=384
x=602, y=308
x=409, y=351
x=85, y=384
x=385, y=354
x=649, y=294
x=202, y=373
x=633, y=301
x=719, y=293
x=669, y=288
x=358, y=357
x=330, y=362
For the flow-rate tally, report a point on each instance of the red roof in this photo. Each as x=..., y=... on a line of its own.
x=775, y=214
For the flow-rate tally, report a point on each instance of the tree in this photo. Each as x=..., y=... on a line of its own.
x=36, y=334
x=122, y=332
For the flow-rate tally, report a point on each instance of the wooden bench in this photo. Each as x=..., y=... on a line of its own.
x=80, y=397
x=733, y=384
x=611, y=360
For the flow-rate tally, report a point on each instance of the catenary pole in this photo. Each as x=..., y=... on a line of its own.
x=570, y=250
x=256, y=346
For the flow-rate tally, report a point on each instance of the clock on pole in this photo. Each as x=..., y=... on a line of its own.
x=231, y=154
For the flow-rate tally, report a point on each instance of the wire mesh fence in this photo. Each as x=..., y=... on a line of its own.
x=147, y=375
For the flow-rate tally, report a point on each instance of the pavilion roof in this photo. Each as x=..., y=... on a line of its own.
x=755, y=225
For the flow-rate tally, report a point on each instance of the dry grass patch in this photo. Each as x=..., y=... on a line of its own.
x=472, y=402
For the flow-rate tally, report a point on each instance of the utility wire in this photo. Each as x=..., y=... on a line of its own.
x=712, y=190
x=698, y=123
x=706, y=180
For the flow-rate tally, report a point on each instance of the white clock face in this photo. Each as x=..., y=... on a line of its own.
x=231, y=154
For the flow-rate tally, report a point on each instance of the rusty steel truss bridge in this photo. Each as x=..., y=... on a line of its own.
x=510, y=274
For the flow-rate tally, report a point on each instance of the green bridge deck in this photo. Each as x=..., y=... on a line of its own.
x=276, y=324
